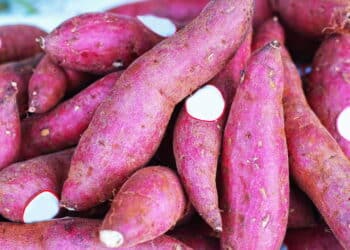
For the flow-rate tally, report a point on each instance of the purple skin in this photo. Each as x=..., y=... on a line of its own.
x=10, y=131
x=18, y=42
x=69, y=233
x=98, y=43
x=129, y=125
x=317, y=162
x=47, y=86
x=148, y=204
x=22, y=181
x=255, y=158
x=318, y=238
x=328, y=86
x=49, y=132
x=20, y=73
x=197, y=143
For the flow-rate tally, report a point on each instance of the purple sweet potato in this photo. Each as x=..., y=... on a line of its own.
x=318, y=238
x=19, y=73
x=262, y=12
x=62, y=127
x=76, y=80
x=314, y=18
x=10, y=131
x=301, y=210
x=18, y=42
x=198, y=135
x=139, y=108
x=47, y=86
x=329, y=88
x=98, y=42
x=179, y=11
x=255, y=158
x=30, y=190
x=317, y=162
x=148, y=204
x=69, y=233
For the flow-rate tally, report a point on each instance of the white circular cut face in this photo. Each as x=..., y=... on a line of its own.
x=343, y=123
x=111, y=238
x=159, y=25
x=44, y=206
x=206, y=104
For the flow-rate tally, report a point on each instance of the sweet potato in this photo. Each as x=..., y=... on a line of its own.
x=255, y=158
x=179, y=11
x=98, y=42
x=30, y=189
x=47, y=86
x=262, y=12
x=19, y=73
x=317, y=162
x=301, y=210
x=10, y=131
x=329, y=88
x=318, y=238
x=148, y=204
x=198, y=135
x=314, y=18
x=62, y=127
x=139, y=108
x=76, y=80
x=69, y=233
x=18, y=42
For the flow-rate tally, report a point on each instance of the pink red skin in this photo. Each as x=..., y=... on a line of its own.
x=69, y=233
x=317, y=162
x=255, y=158
x=23, y=181
x=63, y=126
x=20, y=73
x=301, y=210
x=262, y=12
x=179, y=11
x=328, y=86
x=314, y=18
x=47, y=86
x=267, y=32
x=10, y=132
x=318, y=238
x=17, y=42
x=140, y=106
x=197, y=143
x=93, y=42
x=148, y=204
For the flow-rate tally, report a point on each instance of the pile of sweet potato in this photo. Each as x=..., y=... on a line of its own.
x=183, y=124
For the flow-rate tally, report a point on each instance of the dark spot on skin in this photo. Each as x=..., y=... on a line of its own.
x=101, y=143
x=248, y=135
x=155, y=61
x=241, y=218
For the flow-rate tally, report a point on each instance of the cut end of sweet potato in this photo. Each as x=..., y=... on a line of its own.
x=343, y=123
x=41, y=41
x=43, y=206
x=111, y=238
x=207, y=104
x=159, y=25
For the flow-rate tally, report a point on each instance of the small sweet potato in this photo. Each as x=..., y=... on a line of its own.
x=62, y=126
x=198, y=136
x=10, y=132
x=148, y=204
x=318, y=238
x=141, y=103
x=30, y=190
x=314, y=18
x=18, y=42
x=317, y=163
x=255, y=158
x=19, y=73
x=69, y=233
x=328, y=88
x=98, y=42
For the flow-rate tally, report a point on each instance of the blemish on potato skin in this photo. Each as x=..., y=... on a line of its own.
x=45, y=132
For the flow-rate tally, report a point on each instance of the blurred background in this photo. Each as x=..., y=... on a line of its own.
x=47, y=14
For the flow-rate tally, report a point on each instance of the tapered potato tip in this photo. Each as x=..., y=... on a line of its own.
x=111, y=238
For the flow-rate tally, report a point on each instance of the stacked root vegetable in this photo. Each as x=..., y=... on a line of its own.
x=178, y=125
